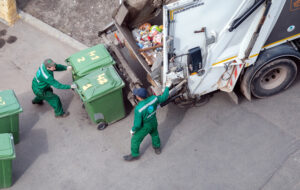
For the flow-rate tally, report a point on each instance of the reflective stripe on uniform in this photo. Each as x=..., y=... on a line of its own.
x=145, y=106
x=44, y=74
x=151, y=114
x=36, y=79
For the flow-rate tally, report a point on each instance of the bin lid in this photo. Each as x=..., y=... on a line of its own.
x=9, y=104
x=99, y=83
x=7, y=150
x=89, y=59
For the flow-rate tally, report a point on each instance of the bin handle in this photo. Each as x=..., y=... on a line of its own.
x=67, y=61
x=79, y=92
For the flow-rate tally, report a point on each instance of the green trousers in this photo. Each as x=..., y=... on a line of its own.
x=137, y=138
x=49, y=97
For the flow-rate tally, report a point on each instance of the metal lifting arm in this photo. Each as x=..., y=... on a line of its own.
x=242, y=18
x=255, y=35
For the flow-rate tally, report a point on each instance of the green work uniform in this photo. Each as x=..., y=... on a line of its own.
x=145, y=122
x=41, y=86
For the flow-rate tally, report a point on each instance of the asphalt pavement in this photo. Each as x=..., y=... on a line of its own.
x=79, y=19
x=219, y=146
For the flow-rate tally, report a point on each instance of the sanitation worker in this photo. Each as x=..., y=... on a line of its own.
x=145, y=121
x=41, y=86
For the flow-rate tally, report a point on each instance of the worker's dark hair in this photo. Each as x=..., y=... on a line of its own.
x=49, y=63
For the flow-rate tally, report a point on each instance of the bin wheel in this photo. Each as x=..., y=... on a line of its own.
x=83, y=106
x=102, y=126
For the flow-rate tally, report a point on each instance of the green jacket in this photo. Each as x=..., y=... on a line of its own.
x=145, y=111
x=44, y=78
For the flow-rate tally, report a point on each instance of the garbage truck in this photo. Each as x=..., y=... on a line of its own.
x=250, y=46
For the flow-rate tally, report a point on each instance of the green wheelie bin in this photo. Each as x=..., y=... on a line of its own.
x=9, y=113
x=101, y=93
x=86, y=61
x=7, y=154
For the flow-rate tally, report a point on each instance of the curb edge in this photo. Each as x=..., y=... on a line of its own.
x=51, y=31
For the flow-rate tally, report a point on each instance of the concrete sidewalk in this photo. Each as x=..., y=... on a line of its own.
x=254, y=145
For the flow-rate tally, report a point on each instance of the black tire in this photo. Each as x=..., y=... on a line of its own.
x=273, y=77
x=250, y=87
x=102, y=126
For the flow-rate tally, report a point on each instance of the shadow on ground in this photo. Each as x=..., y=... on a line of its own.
x=31, y=113
x=21, y=4
x=29, y=137
x=31, y=134
x=167, y=126
x=24, y=159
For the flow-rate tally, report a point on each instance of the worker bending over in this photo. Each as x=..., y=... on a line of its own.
x=41, y=86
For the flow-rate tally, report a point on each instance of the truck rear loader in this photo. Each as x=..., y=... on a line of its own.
x=208, y=46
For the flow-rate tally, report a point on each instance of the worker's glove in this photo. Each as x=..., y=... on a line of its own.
x=168, y=83
x=73, y=86
x=132, y=132
x=69, y=68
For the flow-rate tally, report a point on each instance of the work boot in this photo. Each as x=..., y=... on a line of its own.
x=38, y=103
x=129, y=157
x=157, y=151
x=63, y=115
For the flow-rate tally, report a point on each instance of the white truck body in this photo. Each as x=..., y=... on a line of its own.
x=188, y=16
x=234, y=40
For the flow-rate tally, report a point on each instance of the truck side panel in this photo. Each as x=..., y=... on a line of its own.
x=288, y=24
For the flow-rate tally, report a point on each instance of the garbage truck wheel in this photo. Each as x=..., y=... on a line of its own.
x=102, y=126
x=274, y=77
x=274, y=71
